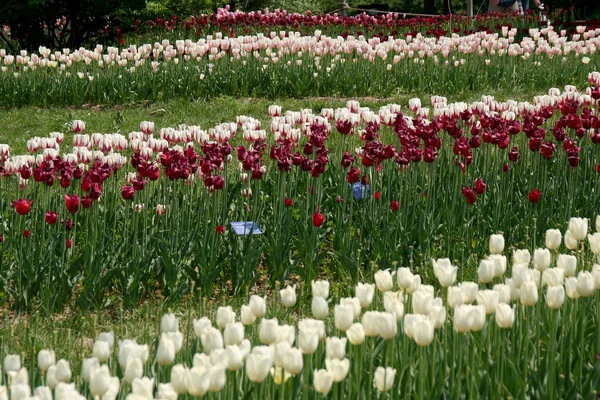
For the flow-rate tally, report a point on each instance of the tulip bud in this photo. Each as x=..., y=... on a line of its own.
x=529, y=293
x=384, y=281
x=585, y=284
x=553, y=239
x=288, y=296
x=225, y=315
x=384, y=378
x=335, y=347
x=496, y=244
x=248, y=318
x=46, y=358
x=596, y=275
x=337, y=368
x=319, y=307
x=169, y=323
x=555, y=296
x=320, y=289
x=267, y=331
x=489, y=299
x=486, y=271
x=505, y=315
x=322, y=381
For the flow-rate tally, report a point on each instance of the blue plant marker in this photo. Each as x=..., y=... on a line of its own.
x=360, y=191
x=246, y=228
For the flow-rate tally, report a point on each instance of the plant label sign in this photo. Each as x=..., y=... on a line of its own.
x=360, y=191
x=246, y=228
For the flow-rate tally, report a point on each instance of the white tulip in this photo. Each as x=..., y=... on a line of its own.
x=267, y=331
x=499, y=264
x=165, y=353
x=356, y=334
x=568, y=263
x=258, y=367
x=503, y=293
x=555, y=296
x=99, y=380
x=322, y=381
x=489, y=299
x=343, y=317
x=571, y=288
x=578, y=228
x=521, y=257
x=166, y=392
x=496, y=244
x=469, y=291
x=225, y=315
x=293, y=362
x=337, y=368
x=455, y=296
x=570, y=241
x=320, y=289
x=133, y=370
x=319, y=307
x=169, y=323
x=46, y=358
x=553, y=239
x=529, y=293
x=585, y=284
x=63, y=371
x=198, y=381
x=288, y=296
x=143, y=387
x=486, y=270
x=12, y=363
x=541, y=259
x=217, y=379
x=200, y=325
x=233, y=333
x=384, y=281
x=247, y=316
x=108, y=337
x=335, y=347
x=505, y=315
x=553, y=277
x=101, y=350
x=353, y=302
x=384, y=378
x=444, y=271
x=594, y=241
x=364, y=293
x=211, y=340
x=258, y=306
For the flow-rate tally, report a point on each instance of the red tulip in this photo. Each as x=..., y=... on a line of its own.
x=68, y=224
x=86, y=201
x=505, y=167
x=318, y=218
x=72, y=203
x=22, y=206
x=289, y=202
x=479, y=186
x=534, y=195
x=51, y=217
x=394, y=205
x=69, y=243
x=377, y=195
x=339, y=199
x=127, y=192
x=220, y=229
x=1, y=238
x=26, y=233
x=470, y=196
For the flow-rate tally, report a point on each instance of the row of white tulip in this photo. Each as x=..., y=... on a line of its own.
x=405, y=307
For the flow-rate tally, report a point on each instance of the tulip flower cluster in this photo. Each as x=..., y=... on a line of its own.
x=358, y=346
x=298, y=64
x=344, y=186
